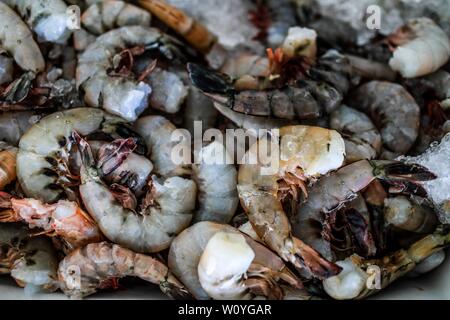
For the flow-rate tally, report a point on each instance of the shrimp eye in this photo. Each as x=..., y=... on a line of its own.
x=62, y=141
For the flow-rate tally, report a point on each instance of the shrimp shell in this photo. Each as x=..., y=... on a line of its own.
x=422, y=50
x=84, y=271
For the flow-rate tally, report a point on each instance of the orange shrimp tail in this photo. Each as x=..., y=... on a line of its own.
x=193, y=31
x=317, y=265
x=9, y=216
x=276, y=60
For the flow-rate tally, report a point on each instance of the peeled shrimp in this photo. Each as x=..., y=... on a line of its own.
x=256, y=270
x=43, y=160
x=362, y=139
x=305, y=102
x=17, y=39
x=405, y=214
x=32, y=262
x=330, y=193
x=216, y=179
x=106, y=15
x=88, y=269
x=48, y=18
x=423, y=48
x=305, y=153
x=157, y=132
x=120, y=95
x=168, y=209
x=393, y=110
x=352, y=282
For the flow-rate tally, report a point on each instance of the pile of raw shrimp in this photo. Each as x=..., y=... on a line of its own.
x=92, y=94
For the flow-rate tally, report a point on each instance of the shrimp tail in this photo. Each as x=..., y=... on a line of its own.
x=313, y=261
x=174, y=289
x=7, y=214
x=209, y=81
x=403, y=177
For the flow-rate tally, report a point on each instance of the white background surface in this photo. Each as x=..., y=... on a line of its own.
x=435, y=285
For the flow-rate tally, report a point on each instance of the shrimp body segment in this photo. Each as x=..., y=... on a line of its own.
x=330, y=194
x=305, y=153
x=98, y=74
x=423, y=48
x=87, y=269
x=256, y=271
x=167, y=211
x=19, y=41
x=64, y=218
x=45, y=150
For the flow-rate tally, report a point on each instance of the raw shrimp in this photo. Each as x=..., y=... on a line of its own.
x=167, y=209
x=190, y=29
x=216, y=179
x=330, y=193
x=422, y=48
x=48, y=18
x=263, y=270
x=351, y=283
x=305, y=153
x=286, y=103
x=157, y=132
x=8, y=163
x=14, y=124
x=362, y=139
x=405, y=214
x=105, y=15
x=99, y=67
x=43, y=160
x=64, y=218
x=17, y=39
x=31, y=262
x=88, y=269
x=393, y=110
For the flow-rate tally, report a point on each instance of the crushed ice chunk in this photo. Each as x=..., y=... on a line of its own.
x=228, y=20
x=437, y=159
x=394, y=14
